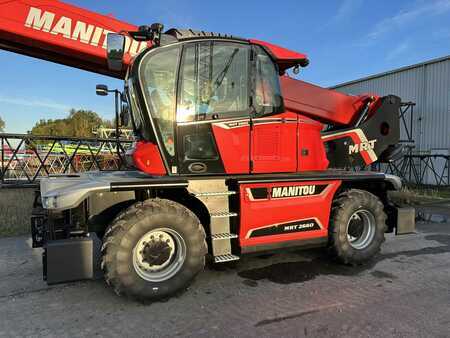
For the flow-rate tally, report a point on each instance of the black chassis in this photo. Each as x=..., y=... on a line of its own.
x=72, y=213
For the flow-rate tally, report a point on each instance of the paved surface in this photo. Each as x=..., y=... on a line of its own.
x=405, y=292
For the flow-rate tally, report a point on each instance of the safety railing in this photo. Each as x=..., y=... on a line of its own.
x=422, y=169
x=26, y=158
x=418, y=168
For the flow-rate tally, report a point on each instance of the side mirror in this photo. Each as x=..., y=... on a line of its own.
x=115, y=48
x=101, y=90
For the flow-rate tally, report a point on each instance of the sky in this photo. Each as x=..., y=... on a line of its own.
x=344, y=40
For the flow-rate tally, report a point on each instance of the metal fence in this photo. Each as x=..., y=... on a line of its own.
x=417, y=167
x=420, y=169
x=26, y=158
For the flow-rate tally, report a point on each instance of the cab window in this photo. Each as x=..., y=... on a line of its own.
x=159, y=78
x=268, y=97
x=213, y=81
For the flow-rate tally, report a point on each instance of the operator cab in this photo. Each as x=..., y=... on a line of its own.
x=204, y=103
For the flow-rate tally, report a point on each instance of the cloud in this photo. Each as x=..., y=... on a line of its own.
x=344, y=12
x=405, y=17
x=398, y=51
x=346, y=9
x=173, y=14
x=34, y=103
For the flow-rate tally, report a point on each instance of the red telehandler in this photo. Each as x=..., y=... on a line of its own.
x=231, y=156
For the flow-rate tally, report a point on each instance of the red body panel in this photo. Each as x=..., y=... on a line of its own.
x=233, y=143
x=273, y=144
x=311, y=150
x=147, y=158
x=280, y=143
x=264, y=213
x=325, y=105
x=62, y=33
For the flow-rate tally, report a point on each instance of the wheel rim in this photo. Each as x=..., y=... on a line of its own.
x=361, y=229
x=159, y=254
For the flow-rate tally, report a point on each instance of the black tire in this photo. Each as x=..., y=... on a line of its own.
x=127, y=231
x=349, y=241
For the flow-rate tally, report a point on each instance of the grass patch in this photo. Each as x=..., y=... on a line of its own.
x=10, y=231
x=414, y=195
x=15, y=211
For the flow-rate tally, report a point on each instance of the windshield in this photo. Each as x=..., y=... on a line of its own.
x=159, y=74
x=213, y=81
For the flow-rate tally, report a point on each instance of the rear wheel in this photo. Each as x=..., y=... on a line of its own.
x=153, y=250
x=357, y=226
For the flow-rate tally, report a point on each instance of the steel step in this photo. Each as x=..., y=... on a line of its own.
x=223, y=214
x=225, y=258
x=217, y=237
x=215, y=193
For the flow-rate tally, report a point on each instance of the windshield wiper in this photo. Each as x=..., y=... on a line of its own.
x=224, y=72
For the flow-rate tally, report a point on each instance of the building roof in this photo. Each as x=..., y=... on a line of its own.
x=401, y=69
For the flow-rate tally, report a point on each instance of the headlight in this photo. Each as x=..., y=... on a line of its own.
x=49, y=202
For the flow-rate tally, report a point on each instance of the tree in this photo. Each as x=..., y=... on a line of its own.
x=79, y=123
x=2, y=125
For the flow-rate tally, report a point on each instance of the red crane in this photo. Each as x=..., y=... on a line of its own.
x=232, y=155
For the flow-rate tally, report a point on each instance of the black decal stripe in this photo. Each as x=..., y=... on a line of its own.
x=284, y=245
x=259, y=193
x=286, y=228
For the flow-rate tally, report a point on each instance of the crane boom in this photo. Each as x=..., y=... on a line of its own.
x=59, y=32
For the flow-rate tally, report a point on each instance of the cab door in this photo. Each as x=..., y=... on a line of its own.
x=213, y=131
x=273, y=132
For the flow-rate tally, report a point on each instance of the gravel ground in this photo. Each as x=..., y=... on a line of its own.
x=404, y=292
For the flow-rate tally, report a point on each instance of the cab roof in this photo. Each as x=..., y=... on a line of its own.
x=283, y=57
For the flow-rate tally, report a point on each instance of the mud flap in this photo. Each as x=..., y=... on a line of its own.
x=406, y=221
x=72, y=259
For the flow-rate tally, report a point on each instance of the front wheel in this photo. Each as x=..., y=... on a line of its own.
x=357, y=226
x=153, y=250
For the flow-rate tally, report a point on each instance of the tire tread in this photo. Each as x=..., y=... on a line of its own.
x=123, y=224
x=338, y=243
